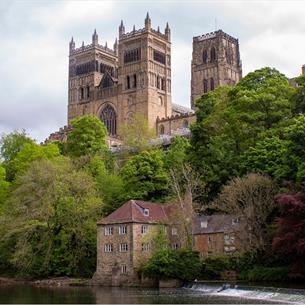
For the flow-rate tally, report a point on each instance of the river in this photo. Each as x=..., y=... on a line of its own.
x=197, y=294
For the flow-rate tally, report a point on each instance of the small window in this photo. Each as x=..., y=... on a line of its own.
x=108, y=230
x=108, y=248
x=205, y=86
x=212, y=85
x=144, y=229
x=146, y=212
x=161, y=130
x=145, y=247
x=82, y=93
x=135, y=80
x=213, y=54
x=88, y=91
x=122, y=230
x=203, y=224
x=123, y=269
x=185, y=124
x=175, y=246
x=174, y=231
x=128, y=82
x=123, y=247
x=205, y=56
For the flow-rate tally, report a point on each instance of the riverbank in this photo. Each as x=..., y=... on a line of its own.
x=49, y=282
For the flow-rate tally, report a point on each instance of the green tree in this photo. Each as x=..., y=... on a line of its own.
x=88, y=136
x=267, y=157
x=299, y=97
x=51, y=221
x=136, y=134
x=109, y=184
x=145, y=177
x=12, y=143
x=4, y=185
x=231, y=120
x=29, y=153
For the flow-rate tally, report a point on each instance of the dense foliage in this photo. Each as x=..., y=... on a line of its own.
x=247, y=145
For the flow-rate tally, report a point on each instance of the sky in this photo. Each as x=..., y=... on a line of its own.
x=35, y=39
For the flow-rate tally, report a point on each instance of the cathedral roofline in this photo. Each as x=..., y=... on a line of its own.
x=213, y=35
x=93, y=46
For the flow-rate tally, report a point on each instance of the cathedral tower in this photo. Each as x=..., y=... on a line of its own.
x=145, y=71
x=87, y=65
x=215, y=62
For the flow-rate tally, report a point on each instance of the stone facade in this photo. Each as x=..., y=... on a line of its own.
x=114, y=84
x=125, y=241
x=215, y=62
x=217, y=235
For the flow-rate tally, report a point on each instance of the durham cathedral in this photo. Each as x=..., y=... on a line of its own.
x=135, y=77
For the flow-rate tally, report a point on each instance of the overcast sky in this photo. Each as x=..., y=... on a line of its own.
x=35, y=37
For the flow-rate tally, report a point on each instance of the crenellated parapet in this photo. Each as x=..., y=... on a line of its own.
x=147, y=28
x=175, y=117
x=213, y=35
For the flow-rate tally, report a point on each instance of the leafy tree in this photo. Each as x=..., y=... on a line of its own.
x=110, y=185
x=136, y=133
x=12, y=143
x=4, y=185
x=88, y=136
x=267, y=157
x=251, y=200
x=183, y=264
x=231, y=120
x=299, y=97
x=29, y=153
x=290, y=239
x=51, y=221
x=145, y=177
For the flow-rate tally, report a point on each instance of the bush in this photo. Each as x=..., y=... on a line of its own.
x=260, y=273
x=183, y=264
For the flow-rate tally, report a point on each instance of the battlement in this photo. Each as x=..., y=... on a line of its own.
x=138, y=32
x=175, y=117
x=213, y=35
x=91, y=46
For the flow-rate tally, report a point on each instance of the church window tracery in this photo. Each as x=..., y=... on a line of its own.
x=108, y=116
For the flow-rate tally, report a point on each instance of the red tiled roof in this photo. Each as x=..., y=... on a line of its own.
x=133, y=211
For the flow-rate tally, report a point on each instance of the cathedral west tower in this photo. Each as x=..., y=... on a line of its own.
x=215, y=62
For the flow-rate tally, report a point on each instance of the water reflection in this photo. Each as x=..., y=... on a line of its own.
x=101, y=295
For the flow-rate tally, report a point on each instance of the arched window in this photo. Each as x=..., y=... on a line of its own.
x=88, y=92
x=158, y=82
x=213, y=54
x=135, y=80
x=212, y=85
x=205, y=86
x=205, y=56
x=185, y=124
x=161, y=130
x=81, y=93
x=108, y=116
x=128, y=82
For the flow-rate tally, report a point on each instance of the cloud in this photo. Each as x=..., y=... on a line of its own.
x=35, y=37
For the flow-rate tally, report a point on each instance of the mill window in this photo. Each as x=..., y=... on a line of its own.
x=144, y=229
x=145, y=247
x=122, y=230
x=108, y=248
x=123, y=247
x=108, y=230
x=123, y=269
